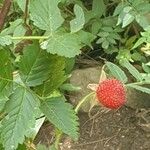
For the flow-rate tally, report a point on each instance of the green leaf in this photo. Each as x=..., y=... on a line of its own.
x=119, y=8
x=98, y=7
x=70, y=87
x=142, y=21
x=12, y=27
x=125, y=63
x=62, y=115
x=21, y=109
x=70, y=62
x=79, y=21
x=5, y=40
x=46, y=14
x=34, y=65
x=42, y=147
x=117, y=72
x=105, y=44
x=128, y=18
x=21, y=4
x=20, y=30
x=56, y=76
x=5, y=77
x=140, y=88
x=146, y=68
x=3, y=100
x=139, y=42
x=64, y=44
x=86, y=38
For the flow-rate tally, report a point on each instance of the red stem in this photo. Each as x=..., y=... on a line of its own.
x=4, y=12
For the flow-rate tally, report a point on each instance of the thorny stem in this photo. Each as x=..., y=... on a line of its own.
x=4, y=11
x=26, y=12
x=82, y=101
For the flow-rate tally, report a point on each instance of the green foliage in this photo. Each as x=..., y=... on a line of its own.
x=19, y=108
x=46, y=14
x=108, y=36
x=132, y=70
x=5, y=77
x=117, y=72
x=139, y=88
x=49, y=36
x=5, y=40
x=63, y=44
x=131, y=10
x=77, y=23
x=61, y=115
x=98, y=8
x=56, y=76
x=34, y=69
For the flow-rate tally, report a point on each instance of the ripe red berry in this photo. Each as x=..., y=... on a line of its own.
x=111, y=93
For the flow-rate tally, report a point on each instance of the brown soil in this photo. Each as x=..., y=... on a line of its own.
x=124, y=129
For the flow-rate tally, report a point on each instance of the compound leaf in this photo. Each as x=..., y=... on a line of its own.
x=56, y=77
x=79, y=21
x=34, y=65
x=46, y=14
x=62, y=115
x=21, y=110
x=64, y=44
x=5, y=77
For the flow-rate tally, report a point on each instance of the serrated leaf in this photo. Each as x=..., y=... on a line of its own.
x=21, y=4
x=5, y=40
x=140, y=88
x=21, y=109
x=5, y=77
x=117, y=72
x=33, y=131
x=46, y=14
x=20, y=30
x=12, y=27
x=56, y=76
x=34, y=65
x=125, y=63
x=64, y=44
x=98, y=7
x=79, y=21
x=62, y=115
x=3, y=100
x=86, y=38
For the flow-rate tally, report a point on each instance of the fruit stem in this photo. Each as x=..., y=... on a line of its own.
x=82, y=101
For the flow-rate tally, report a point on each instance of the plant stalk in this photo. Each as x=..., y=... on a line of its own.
x=30, y=38
x=82, y=101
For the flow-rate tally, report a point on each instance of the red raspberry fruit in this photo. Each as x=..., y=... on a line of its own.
x=111, y=93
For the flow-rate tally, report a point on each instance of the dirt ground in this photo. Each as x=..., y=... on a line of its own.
x=124, y=129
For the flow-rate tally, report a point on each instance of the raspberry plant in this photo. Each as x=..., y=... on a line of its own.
x=39, y=41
